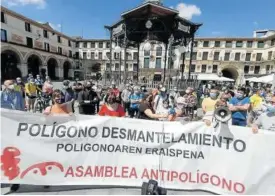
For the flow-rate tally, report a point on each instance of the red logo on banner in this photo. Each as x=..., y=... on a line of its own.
x=9, y=162
x=42, y=167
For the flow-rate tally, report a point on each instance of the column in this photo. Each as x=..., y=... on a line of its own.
x=23, y=68
x=61, y=72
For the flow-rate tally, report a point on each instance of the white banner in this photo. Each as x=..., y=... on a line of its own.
x=87, y=150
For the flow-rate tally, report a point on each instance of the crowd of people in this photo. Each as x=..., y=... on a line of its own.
x=250, y=107
x=253, y=107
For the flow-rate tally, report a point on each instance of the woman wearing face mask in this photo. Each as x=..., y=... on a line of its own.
x=111, y=107
x=266, y=120
x=167, y=111
x=146, y=111
x=47, y=86
x=58, y=107
x=135, y=99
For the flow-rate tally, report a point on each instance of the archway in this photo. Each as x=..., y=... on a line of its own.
x=52, y=65
x=9, y=61
x=66, y=68
x=34, y=63
x=230, y=73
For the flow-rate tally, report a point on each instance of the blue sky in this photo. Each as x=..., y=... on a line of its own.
x=220, y=18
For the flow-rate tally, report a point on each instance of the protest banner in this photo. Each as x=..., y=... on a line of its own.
x=92, y=150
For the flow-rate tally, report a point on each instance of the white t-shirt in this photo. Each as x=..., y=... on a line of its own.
x=158, y=106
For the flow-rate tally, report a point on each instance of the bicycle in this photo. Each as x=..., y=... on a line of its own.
x=41, y=103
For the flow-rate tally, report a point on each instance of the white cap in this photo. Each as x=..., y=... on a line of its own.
x=163, y=89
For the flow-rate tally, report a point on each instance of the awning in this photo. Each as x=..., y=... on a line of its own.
x=213, y=77
x=266, y=79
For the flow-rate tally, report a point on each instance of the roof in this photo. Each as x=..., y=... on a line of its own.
x=92, y=40
x=45, y=26
x=168, y=10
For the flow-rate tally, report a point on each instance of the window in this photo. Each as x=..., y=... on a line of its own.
x=247, y=56
x=182, y=67
x=273, y=42
x=260, y=44
x=100, y=55
x=239, y=44
x=47, y=46
x=204, y=55
x=100, y=45
x=203, y=68
x=146, y=62
x=217, y=44
x=28, y=27
x=249, y=44
x=259, y=57
x=70, y=53
x=135, y=66
x=206, y=44
x=3, y=17
x=59, y=50
x=58, y=39
x=108, y=67
x=237, y=56
x=92, y=55
x=159, y=51
x=146, y=53
x=116, y=55
x=3, y=35
x=126, y=67
x=117, y=67
x=45, y=33
x=158, y=63
x=257, y=70
x=194, y=56
x=216, y=56
x=267, y=68
x=85, y=45
x=84, y=55
x=92, y=44
x=246, y=69
x=107, y=44
x=29, y=42
x=215, y=69
x=77, y=44
x=135, y=55
x=193, y=68
x=228, y=44
x=226, y=56
x=128, y=56
x=108, y=54
x=195, y=44
x=269, y=55
x=69, y=43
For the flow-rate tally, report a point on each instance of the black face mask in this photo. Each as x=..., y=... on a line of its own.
x=88, y=87
x=58, y=101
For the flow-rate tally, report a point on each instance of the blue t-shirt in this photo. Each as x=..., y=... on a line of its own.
x=239, y=114
x=135, y=97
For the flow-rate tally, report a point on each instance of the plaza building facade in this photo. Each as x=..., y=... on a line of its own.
x=28, y=46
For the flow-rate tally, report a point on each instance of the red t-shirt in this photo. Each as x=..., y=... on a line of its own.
x=104, y=111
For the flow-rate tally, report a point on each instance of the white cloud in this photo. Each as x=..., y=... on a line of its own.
x=188, y=10
x=41, y=4
x=55, y=26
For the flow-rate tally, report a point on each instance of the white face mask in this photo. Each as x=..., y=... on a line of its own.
x=187, y=91
x=11, y=87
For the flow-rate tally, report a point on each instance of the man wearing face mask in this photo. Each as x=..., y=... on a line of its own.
x=135, y=100
x=158, y=102
x=208, y=104
x=39, y=82
x=11, y=99
x=239, y=106
x=266, y=120
x=87, y=99
x=125, y=96
x=68, y=94
x=190, y=101
x=31, y=93
x=20, y=87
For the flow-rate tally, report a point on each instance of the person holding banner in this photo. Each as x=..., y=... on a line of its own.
x=146, y=111
x=111, y=107
x=58, y=107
